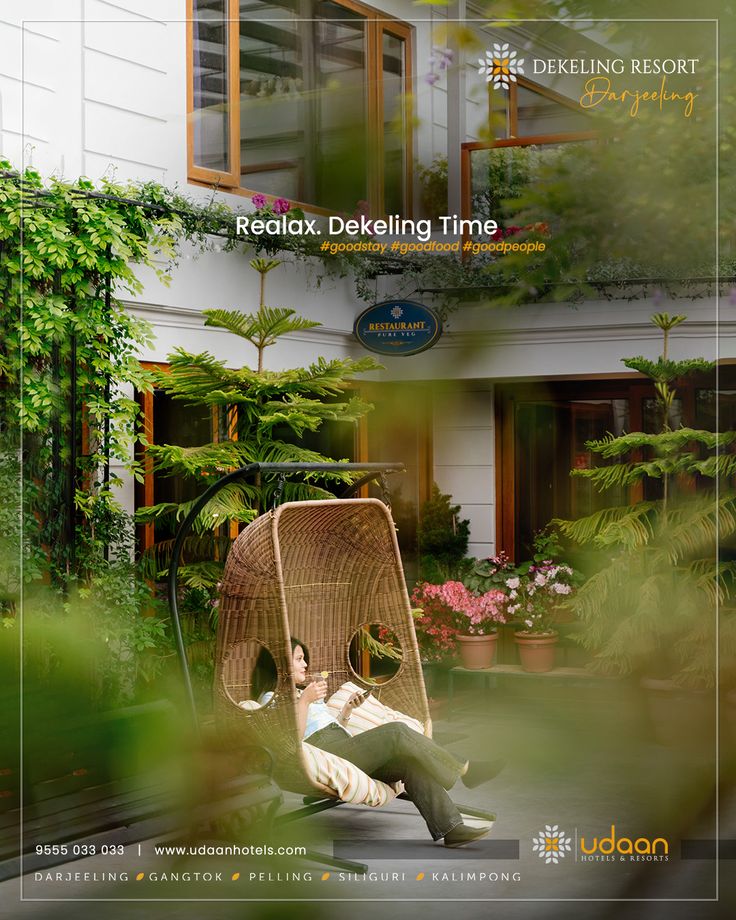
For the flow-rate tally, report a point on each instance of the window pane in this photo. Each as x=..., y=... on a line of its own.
x=303, y=102
x=394, y=124
x=537, y=114
x=705, y=409
x=504, y=173
x=550, y=441
x=652, y=420
x=341, y=162
x=176, y=423
x=274, y=97
x=210, y=89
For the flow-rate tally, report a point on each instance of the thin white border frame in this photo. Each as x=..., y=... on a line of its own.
x=491, y=22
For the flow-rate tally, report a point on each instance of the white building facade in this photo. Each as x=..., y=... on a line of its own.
x=497, y=412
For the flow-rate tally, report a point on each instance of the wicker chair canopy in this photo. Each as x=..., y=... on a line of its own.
x=318, y=571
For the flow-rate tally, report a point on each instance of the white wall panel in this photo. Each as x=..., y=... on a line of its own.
x=39, y=109
x=139, y=41
x=133, y=137
x=481, y=550
x=481, y=517
x=464, y=447
x=99, y=165
x=11, y=147
x=125, y=85
x=136, y=9
x=466, y=484
x=456, y=409
x=42, y=56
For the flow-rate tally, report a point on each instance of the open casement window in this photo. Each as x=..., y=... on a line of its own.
x=526, y=115
x=301, y=99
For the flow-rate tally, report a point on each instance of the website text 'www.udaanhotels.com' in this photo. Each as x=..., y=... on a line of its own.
x=208, y=849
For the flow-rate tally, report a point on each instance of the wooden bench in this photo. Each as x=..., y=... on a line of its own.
x=83, y=813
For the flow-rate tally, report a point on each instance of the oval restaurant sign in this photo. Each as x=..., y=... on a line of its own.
x=397, y=327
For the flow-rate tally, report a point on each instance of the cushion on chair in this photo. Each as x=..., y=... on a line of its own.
x=348, y=782
x=369, y=714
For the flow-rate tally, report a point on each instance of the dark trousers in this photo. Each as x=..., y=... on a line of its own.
x=396, y=752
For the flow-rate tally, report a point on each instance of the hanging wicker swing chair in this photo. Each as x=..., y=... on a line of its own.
x=321, y=571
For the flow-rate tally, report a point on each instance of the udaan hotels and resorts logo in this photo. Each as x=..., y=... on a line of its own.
x=501, y=66
x=552, y=844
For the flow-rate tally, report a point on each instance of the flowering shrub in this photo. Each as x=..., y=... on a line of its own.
x=451, y=610
x=533, y=594
x=490, y=573
x=278, y=206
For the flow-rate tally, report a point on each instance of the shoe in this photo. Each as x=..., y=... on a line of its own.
x=462, y=834
x=481, y=771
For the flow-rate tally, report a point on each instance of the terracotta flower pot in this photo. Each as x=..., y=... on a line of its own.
x=477, y=652
x=536, y=651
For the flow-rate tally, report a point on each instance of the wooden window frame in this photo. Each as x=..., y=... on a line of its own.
x=467, y=149
x=513, y=140
x=377, y=23
x=624, y=385
x=144, y=492
x=512, y=125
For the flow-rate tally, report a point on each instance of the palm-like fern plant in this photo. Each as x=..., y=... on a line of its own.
x=660, y=596
x=266, y=412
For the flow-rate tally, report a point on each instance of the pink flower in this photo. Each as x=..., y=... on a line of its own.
x=281, y=206
x=259, y=200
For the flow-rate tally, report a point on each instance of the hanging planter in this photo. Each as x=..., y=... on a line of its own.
x=477, y=652
x=536, y=650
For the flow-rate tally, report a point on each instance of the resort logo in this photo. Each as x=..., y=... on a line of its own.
x=614, y=847
x=552, y=844
x=500, y=66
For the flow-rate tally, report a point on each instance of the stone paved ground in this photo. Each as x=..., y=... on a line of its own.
x=581, y=757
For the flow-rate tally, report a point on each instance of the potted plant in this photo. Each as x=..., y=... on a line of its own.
x=457, y=614
x=533, y=594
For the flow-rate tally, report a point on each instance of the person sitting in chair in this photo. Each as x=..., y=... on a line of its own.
x=392, y=752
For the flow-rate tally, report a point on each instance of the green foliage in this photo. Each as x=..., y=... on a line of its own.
x=268, y=413
x=660, y=594
x=442, y=538
x=433, y=182
x=61, y=250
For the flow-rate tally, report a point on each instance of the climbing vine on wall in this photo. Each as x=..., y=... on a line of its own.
x=68, y=253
